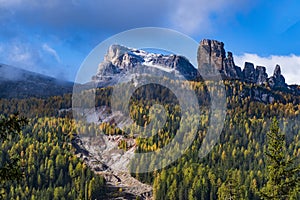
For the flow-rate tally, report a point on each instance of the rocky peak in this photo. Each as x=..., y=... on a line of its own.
x=115, y=51
x=212, y=56
x=277, y=71
x=261, y=75
x=249, y=72
x=211, y=52
x=277, y=80
x=256, y=75
x=120, y=59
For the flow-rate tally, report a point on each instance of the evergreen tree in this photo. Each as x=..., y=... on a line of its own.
x=231, y=188
x=283, y=175
x=10, y=128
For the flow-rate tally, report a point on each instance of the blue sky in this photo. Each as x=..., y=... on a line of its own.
x=54, y=36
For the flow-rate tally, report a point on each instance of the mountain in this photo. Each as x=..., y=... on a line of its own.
x=124, y=63
x=120, y=60
x=212, y=52
x=19, y=83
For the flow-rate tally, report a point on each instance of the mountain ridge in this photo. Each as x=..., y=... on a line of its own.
x=211, y=54
x=20, y=83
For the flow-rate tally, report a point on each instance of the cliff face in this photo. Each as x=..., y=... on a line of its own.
x=277, y=80
x=212, y=55
x=212, y=58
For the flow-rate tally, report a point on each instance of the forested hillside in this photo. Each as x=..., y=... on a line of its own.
x=235, y=166
x=51, y=170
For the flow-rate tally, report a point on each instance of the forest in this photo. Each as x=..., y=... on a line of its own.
x=238, y=167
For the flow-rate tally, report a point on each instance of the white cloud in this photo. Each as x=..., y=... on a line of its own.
x=37, y=58
x=193, y=16
x=290, y=65
x=26, y=56
x=21, y=55
x=51, y=51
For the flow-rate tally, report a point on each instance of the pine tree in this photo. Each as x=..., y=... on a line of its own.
x=283, y=175
x=231, y=188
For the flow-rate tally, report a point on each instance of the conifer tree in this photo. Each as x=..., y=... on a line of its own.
x=282, y=174
x=231, y=188
x=10, y=127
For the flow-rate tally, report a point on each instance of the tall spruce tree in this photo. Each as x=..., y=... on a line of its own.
x=282, y=172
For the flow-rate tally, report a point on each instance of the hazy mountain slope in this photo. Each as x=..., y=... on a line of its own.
x=19, y=83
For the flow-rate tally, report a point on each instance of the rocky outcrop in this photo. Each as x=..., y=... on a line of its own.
x=261, y=75
x=230, y=69
x=277, y=80
x=249, y=73
x=212, y=56
x=212, y=59
x=256, y=75
x=260, y=94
